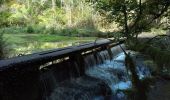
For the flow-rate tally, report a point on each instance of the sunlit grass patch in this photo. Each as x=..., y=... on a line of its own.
x=30, y=38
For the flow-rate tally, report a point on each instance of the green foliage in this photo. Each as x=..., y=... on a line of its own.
x=133, y=16
x=4, y=18
x=74, y=32
x=35, y=29
x=52, y=19
x=76, y=14
x=81, y=14
x=4, y=2
x=161, y=58
x=38, y=29
x=13, y=30
x=3, y=46
x=20, y=38
x=30, y=29
x=158, y=49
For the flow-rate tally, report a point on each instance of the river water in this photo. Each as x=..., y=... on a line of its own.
x=104, y=78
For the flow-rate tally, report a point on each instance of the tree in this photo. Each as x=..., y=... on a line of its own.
x=3, y=17
x=53, y=4
x=134, y=16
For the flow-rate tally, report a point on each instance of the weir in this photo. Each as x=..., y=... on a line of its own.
x=33, y=77
x=91, y=71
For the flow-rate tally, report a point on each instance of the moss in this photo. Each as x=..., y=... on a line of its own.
x=160, y=56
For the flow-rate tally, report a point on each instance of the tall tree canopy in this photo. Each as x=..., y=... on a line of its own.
x=134, y=16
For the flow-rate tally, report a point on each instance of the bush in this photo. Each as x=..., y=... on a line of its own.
x=69, y=32
x=30, y=29
x=78, y=32
x=52, y=31
x=62, y=32
x=49, y=31
x=39, y=29
x=3, y=50
x=1, y=46
x=13, y=30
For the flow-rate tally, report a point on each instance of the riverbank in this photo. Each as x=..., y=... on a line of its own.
x=21, y=44
x=160, y=90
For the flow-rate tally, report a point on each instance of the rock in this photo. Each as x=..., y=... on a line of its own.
x=168, y=32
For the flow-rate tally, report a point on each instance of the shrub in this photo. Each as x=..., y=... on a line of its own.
x=30, y=29
x=49, y=31
x=39, y=29
x=52, y=30
x=13, y=30
x=3, y=50
x=1, y=46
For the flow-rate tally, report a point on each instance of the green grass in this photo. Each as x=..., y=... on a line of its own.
x=20, y=39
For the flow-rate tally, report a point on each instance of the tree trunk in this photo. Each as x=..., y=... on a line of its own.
x=126, y=29
x=69, y=12
x=61, y=3
x=53, y=4
x=141, y=90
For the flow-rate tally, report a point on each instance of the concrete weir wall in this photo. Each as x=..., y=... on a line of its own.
x=27, y=77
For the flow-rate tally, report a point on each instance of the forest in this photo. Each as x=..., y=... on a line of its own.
x=34, y=25
x=28, y=27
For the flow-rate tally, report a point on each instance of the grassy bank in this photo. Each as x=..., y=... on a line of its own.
x=20, y=39
x=22, y=44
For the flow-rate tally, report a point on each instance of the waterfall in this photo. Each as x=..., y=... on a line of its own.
x=112, y=72
x=103, y=77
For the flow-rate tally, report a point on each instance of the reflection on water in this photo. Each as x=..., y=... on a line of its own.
x=37, y=47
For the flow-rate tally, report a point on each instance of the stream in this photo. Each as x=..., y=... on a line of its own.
x=104, y=78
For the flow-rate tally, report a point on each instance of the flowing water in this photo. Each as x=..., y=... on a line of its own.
x=104, y=78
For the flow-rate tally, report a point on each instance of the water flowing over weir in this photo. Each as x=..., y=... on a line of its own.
x=102, y=80
x=94, y=74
